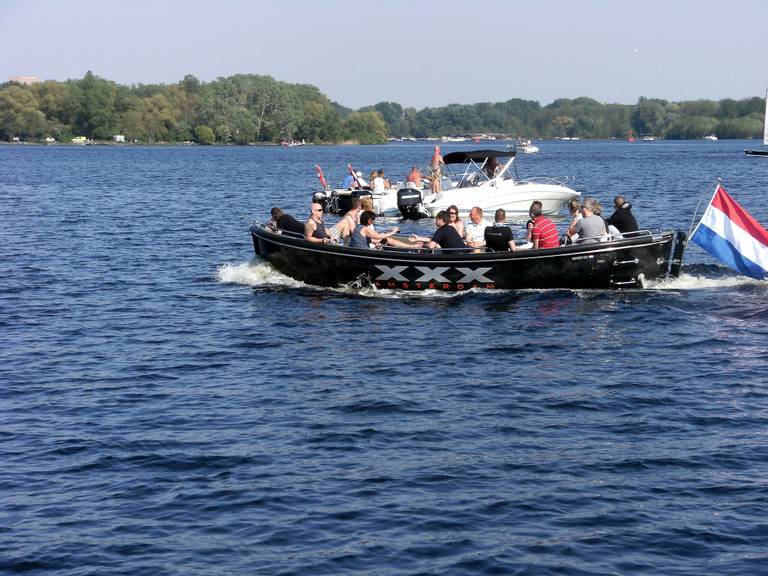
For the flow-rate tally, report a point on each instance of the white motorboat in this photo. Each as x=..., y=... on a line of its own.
x=476, y=178
x=710, y=137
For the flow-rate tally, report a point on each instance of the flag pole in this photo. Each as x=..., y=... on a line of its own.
x=691, y=230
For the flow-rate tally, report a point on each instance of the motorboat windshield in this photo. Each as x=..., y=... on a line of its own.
x=477, y=167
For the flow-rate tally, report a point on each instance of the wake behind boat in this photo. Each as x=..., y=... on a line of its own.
x=624, y=263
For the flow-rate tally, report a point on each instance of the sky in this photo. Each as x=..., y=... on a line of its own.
x=419, y=53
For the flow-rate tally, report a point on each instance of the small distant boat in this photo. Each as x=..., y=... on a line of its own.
x=649, y=138
x=763, y=153
x=290, y=143
x=525, y=146
x=710, y=137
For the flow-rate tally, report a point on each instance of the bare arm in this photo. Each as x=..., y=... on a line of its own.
x=309, y=230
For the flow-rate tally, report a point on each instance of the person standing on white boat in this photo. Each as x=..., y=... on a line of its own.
x=436, y=167
x=474, y=231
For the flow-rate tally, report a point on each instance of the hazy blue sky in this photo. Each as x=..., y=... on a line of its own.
x=417, y=53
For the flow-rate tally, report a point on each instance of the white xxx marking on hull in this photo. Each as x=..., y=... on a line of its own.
x=391, y=273
x=432, y=274
x=474, y=275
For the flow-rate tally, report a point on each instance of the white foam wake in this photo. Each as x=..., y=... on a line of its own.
x=693, y=282
x=255, y=272
x=261, y=273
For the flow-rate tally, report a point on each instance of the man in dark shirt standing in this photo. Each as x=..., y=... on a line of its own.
x=445, y=237
x=623, y=218
x=499, y=236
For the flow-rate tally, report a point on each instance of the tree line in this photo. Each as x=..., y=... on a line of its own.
x=248, y=109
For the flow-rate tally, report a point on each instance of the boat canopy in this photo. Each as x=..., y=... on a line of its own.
x=475, y=156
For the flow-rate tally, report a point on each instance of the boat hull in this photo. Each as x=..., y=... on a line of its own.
x=514, y=197
x=756, y=152
x=619, y=264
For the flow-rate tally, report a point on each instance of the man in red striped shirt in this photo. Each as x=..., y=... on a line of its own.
x=544, y=232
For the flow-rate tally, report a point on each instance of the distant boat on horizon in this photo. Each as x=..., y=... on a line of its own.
x=765, y=133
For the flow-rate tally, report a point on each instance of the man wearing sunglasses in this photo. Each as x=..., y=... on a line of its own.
x=314, y=229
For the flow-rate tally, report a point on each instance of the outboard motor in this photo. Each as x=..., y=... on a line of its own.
x=409, y=204
x=320, y=198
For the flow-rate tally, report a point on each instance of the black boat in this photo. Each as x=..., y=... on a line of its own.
x=756, y=152
x=625, y=263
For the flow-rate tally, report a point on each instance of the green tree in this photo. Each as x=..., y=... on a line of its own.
x=19, y=114
x=365, y=128
x=647, y=117
x=204, y=135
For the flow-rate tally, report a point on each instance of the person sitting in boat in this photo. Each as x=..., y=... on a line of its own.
x=354, y=181
x=387, y=184
x=414, y=178
x=474, y=231
x=365, y=236
x=285, y=222
x=574, y=209
x=543, y=232
x=454, y=219
x=346, y=225
x=623, y=218
x=499, y=236
x=491, y=167
x=591, y=227
x=445, y=236
x=378, y=182
x=366, y=203
x=314, y=229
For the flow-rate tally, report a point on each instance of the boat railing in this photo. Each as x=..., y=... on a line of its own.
x=558, y=180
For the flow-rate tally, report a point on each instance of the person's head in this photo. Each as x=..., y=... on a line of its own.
x=366, y=203
x=500, y=216
x=476, y=214
x=359, y=174
x=588, y=207
x=367, y=217
x=354, y=204
x=453, y=214
x=618, y=202
x=574, y=206
x=536, y=209
x=276, y=213
x=596, y=207
x=381, y=173
x=441, y=218
x=316, y=210
x=373, y=175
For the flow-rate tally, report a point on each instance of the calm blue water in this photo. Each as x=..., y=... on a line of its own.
x=170, y=406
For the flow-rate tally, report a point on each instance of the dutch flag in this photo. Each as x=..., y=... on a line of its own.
x=729, y=233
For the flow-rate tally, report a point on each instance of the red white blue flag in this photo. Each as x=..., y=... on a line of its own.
x=729, y=233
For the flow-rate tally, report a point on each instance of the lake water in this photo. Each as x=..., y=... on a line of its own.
x=171, y=406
